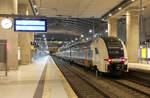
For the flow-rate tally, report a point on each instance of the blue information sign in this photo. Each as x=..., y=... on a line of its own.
x=30, y=25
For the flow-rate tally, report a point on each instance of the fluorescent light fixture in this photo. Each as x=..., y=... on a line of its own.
x=37, y=13
x=34, y=6
x=110, y=14
x=120, y=8
x=82, y=35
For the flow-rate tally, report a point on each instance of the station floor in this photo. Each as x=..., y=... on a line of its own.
x=139, y=67
x=41, y=79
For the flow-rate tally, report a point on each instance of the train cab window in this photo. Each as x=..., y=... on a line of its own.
x=115, y=48
x=96, y=51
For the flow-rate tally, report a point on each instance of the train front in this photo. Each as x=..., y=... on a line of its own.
x=117, y=61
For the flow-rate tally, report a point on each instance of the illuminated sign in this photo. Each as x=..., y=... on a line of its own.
x=148, y=53
x=30, y=25
x=139, y=53
x=143, y=52
x=32, y=47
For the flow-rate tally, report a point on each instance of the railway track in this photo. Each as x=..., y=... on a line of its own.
x=134, y=88
x=138, y=80
x=131, y=86
x=83, y=86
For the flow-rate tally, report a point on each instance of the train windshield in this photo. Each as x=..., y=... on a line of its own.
x=115, y=48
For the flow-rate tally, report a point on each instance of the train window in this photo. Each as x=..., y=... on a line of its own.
x=115, y=48
x=96, y=51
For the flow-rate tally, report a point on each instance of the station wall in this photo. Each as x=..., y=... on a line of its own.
x=12, y=45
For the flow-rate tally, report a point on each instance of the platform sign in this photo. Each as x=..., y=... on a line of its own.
x=148, y=53
x=139, y=53
x=143, y=52
x=30, y=25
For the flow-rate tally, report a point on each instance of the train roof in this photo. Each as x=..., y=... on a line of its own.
x=87, y=43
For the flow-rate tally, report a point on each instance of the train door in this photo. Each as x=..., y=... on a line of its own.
x=3, y=57
x=86, y=57
x=99, y=54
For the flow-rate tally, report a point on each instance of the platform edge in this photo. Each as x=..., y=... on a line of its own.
x=69, y=90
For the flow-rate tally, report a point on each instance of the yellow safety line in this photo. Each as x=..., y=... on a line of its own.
x=46, y=92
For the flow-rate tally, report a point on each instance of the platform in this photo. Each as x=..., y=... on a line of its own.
x=41, y=79
x=139, y=67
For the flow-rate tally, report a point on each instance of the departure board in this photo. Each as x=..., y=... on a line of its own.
x=30, y=25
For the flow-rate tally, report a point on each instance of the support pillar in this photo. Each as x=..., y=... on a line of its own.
x=132, y=24
x=31, y=40
x=24, y=39
x=112, y=27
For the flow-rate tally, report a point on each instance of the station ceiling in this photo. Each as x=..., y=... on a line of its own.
x=73, y=17
x=76, y=8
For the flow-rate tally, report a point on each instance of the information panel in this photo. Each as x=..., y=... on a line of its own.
x=148, y=53
x=30, y=25
x=143, y=53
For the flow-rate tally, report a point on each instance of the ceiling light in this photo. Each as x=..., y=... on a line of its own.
x=72, y=41
x=34, y=6
x=103, y=19
x=43, y=35
x=132, y=0
x=87, y=38
x=120, y=8
x=76, y=38
x=106, y=31
x=110, y=14
x=82, y=35
x=90, y=30
x=37, y=13
x=143, y=8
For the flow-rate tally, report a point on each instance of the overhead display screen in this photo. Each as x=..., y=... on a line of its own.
x=30, y=25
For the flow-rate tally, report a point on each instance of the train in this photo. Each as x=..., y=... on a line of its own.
x=105, y=54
